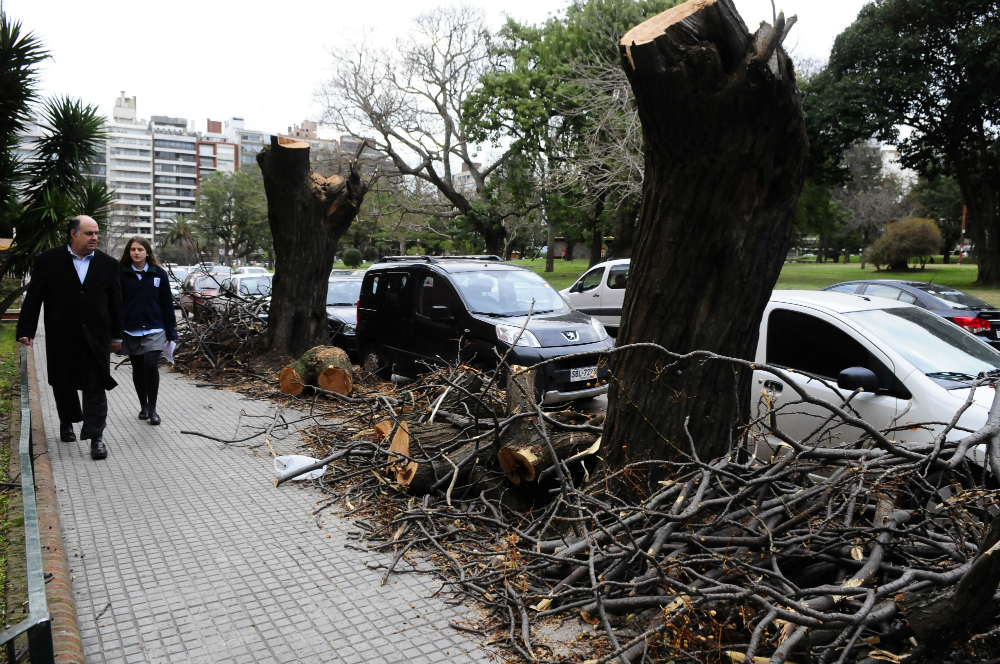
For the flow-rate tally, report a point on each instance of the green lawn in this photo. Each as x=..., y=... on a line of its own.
x=566, y=272
x=813, y=276
x=10, y=515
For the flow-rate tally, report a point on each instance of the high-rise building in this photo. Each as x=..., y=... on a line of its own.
x=175, y=169
x=216, y=152
x=129, y=167
x=250, y=141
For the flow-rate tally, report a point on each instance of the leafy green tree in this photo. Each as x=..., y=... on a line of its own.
x=931, y=65
x=559, y=90
x=232, y=213
x=352, y=258
x=940, y=198
x=820, y=215
x=908, y=238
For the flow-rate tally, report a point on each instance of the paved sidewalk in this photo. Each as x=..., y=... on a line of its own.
x=181, y=550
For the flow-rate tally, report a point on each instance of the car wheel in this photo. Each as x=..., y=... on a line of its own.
x=373, y=361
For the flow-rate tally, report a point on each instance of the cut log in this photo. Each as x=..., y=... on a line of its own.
x=307, y=214
x=524, y=461
x=419, y=441
x=947, y=615
x=326, y=367
x=724, y=144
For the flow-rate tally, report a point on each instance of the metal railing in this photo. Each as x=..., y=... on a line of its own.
x=38, y=624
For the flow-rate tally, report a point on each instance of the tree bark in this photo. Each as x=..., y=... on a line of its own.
x=308, y=214
x=725, y=156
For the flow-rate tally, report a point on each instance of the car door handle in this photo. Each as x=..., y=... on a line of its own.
x=773, y=386
x=596, y=295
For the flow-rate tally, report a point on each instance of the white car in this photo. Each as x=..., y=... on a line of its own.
x=600, y=292
x=917, y=367
x=251, y=269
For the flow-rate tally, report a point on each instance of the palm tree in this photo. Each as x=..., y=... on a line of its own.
x=37, y=198
x=20, y=54
x=181, y=231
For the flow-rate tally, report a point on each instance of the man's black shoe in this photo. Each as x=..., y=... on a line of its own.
x=153, y=417
x=66, y=434
x=97, y=449
x=144, y=413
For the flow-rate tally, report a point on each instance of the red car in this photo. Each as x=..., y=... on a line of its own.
x=198, y=292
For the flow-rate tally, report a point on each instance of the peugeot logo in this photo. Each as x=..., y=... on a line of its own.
x=572, y=336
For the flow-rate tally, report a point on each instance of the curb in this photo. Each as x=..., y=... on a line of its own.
x=59, y=589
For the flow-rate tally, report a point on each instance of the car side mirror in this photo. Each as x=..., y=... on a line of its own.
x=440, y=313
x=854, y=378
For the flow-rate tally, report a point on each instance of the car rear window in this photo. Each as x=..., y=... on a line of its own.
x=955, y=298
x=343, y=292
x=256, y=285
x=207, y=283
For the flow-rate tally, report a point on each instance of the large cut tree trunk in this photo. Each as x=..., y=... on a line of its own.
x=725, y=156
x=308, y=214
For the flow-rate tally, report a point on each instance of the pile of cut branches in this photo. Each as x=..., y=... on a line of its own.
x=812, y=550
x=221, y=334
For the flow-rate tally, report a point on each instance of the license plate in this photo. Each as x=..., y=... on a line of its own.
x=584, y=373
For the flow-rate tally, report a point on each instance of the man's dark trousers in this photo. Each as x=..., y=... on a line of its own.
x=94, y=413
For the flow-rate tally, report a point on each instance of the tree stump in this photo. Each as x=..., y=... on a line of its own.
x=307, y=214
x=326, y=367
x=725, y=158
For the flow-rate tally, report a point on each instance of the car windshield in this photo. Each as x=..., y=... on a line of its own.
x=939, y=349
x=955, y=298
x=178, y=274
x=343, y=293
x=508, y=292
x=256, y=285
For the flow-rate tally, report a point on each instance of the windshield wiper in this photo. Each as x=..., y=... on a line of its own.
x=340, y=304
x=491, y=314
x=951, y=375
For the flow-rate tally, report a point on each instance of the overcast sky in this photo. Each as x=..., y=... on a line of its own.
x=263, y=60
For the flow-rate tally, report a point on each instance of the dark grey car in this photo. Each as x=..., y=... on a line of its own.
x=966, y=311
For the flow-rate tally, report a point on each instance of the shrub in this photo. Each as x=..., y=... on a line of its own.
x=908, y=238
x=352, y=258
x=371, y=254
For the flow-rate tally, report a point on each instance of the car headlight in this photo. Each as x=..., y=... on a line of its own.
x=349, y=329
x=508, y=334
x=602, y=334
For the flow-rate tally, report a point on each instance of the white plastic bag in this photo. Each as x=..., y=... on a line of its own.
x=289, y=463
x=168, y=351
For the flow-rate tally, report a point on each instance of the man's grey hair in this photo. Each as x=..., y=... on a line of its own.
x=72, y=226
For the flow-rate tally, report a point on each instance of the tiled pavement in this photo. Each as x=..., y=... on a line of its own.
x=181, y=550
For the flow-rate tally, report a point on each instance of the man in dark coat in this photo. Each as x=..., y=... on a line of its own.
x=81, y=291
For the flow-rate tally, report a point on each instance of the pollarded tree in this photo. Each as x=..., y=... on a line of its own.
x=307, y=214
x=931, y=65
x=725, y=158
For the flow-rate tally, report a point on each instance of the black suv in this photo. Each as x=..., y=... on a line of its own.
x=420, y=311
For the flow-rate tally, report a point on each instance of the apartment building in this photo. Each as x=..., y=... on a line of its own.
x=129, y=172
x=216, y=152
x=175, y=168
x=250, y=141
